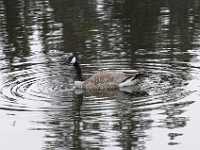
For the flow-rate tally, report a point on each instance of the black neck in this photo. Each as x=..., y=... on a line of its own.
x=78, y=72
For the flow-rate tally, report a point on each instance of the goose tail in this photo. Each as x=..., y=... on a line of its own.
x=132, y=80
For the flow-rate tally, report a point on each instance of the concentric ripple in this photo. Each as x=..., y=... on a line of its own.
x=31, y=90
x=36, y=90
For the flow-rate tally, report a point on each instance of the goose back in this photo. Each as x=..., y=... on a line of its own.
x=105, y=80
x=107, y=76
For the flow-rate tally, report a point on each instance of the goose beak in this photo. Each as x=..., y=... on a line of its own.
x=68, y=60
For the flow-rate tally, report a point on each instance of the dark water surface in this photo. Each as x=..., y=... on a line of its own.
x=39, y=110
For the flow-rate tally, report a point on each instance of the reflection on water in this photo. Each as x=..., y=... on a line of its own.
x=39, y=108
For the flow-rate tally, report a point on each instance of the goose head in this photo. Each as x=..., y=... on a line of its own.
x=73, y=60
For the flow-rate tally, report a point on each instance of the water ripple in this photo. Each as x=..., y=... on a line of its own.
x=32, y=90
x=35, y=89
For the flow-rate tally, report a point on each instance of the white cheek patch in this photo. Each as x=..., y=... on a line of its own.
x=73, y=60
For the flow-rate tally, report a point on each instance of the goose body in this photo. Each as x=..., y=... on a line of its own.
x=107, y=80
x=102, y=80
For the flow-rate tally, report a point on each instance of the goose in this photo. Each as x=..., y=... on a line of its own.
x=103, y=80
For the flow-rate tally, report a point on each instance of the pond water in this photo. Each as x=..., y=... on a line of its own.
x=39, y=110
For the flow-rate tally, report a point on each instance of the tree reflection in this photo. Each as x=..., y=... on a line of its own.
x=65, y=125
x=15, y=12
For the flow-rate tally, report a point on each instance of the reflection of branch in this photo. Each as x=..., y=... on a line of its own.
x=76, y=108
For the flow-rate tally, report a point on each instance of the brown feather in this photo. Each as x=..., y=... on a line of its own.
x=105, y=80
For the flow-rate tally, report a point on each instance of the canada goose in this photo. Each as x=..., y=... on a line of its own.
x=103, y=79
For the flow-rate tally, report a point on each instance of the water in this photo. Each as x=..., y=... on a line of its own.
x=40, y=110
